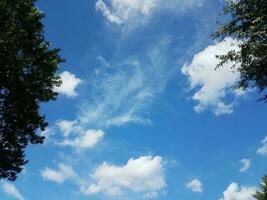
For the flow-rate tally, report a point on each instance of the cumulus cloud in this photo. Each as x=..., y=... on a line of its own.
x=74, y=135
x=11, y=190
x=195, y=185
x=245, y=164
x=85, y=140
x=234, y=192
x=69, y=84
x=63, y=173
x=213, y=86
x=136, y=11
x=144, y=175
x=263, y=149
x=122, y=92
x=66, y=127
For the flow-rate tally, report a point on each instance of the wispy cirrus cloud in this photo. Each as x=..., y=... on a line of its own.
x=12, y=191
x=122, y=92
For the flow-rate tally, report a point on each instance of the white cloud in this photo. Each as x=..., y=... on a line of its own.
x=120, y=110
x=234, y=192
x=213, y=86
x=122, y=92
x=144, y=175
x=88, y=139
x=151, y=195
x=69, y=84
x=121, y=10
x=66, y=127
x=263, y=149
x=63, y=173
x=245, y=164
x=195, y=185
x=47, y=133
x=136, y=11
x=11, y=190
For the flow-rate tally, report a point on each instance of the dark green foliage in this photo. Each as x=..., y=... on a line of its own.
x=27, y=78
x=262, y=195
x=247, y=25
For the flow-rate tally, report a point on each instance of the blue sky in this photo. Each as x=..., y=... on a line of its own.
x=142, y=114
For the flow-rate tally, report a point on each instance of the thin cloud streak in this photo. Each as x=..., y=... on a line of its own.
x=11, y=190
x=122, y=92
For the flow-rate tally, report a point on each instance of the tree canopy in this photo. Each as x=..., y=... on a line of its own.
x=262, y=195
x=247, y=24
x=27, y=78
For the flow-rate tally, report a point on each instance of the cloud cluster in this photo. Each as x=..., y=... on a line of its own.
x=120, y=93
x=63, y=173
x=263, y=149
x=11, y=190
x=69, y=84
x=135, y=11
x=144, y=175
x=195, y=185
x=234, y=192
x=213, y=86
